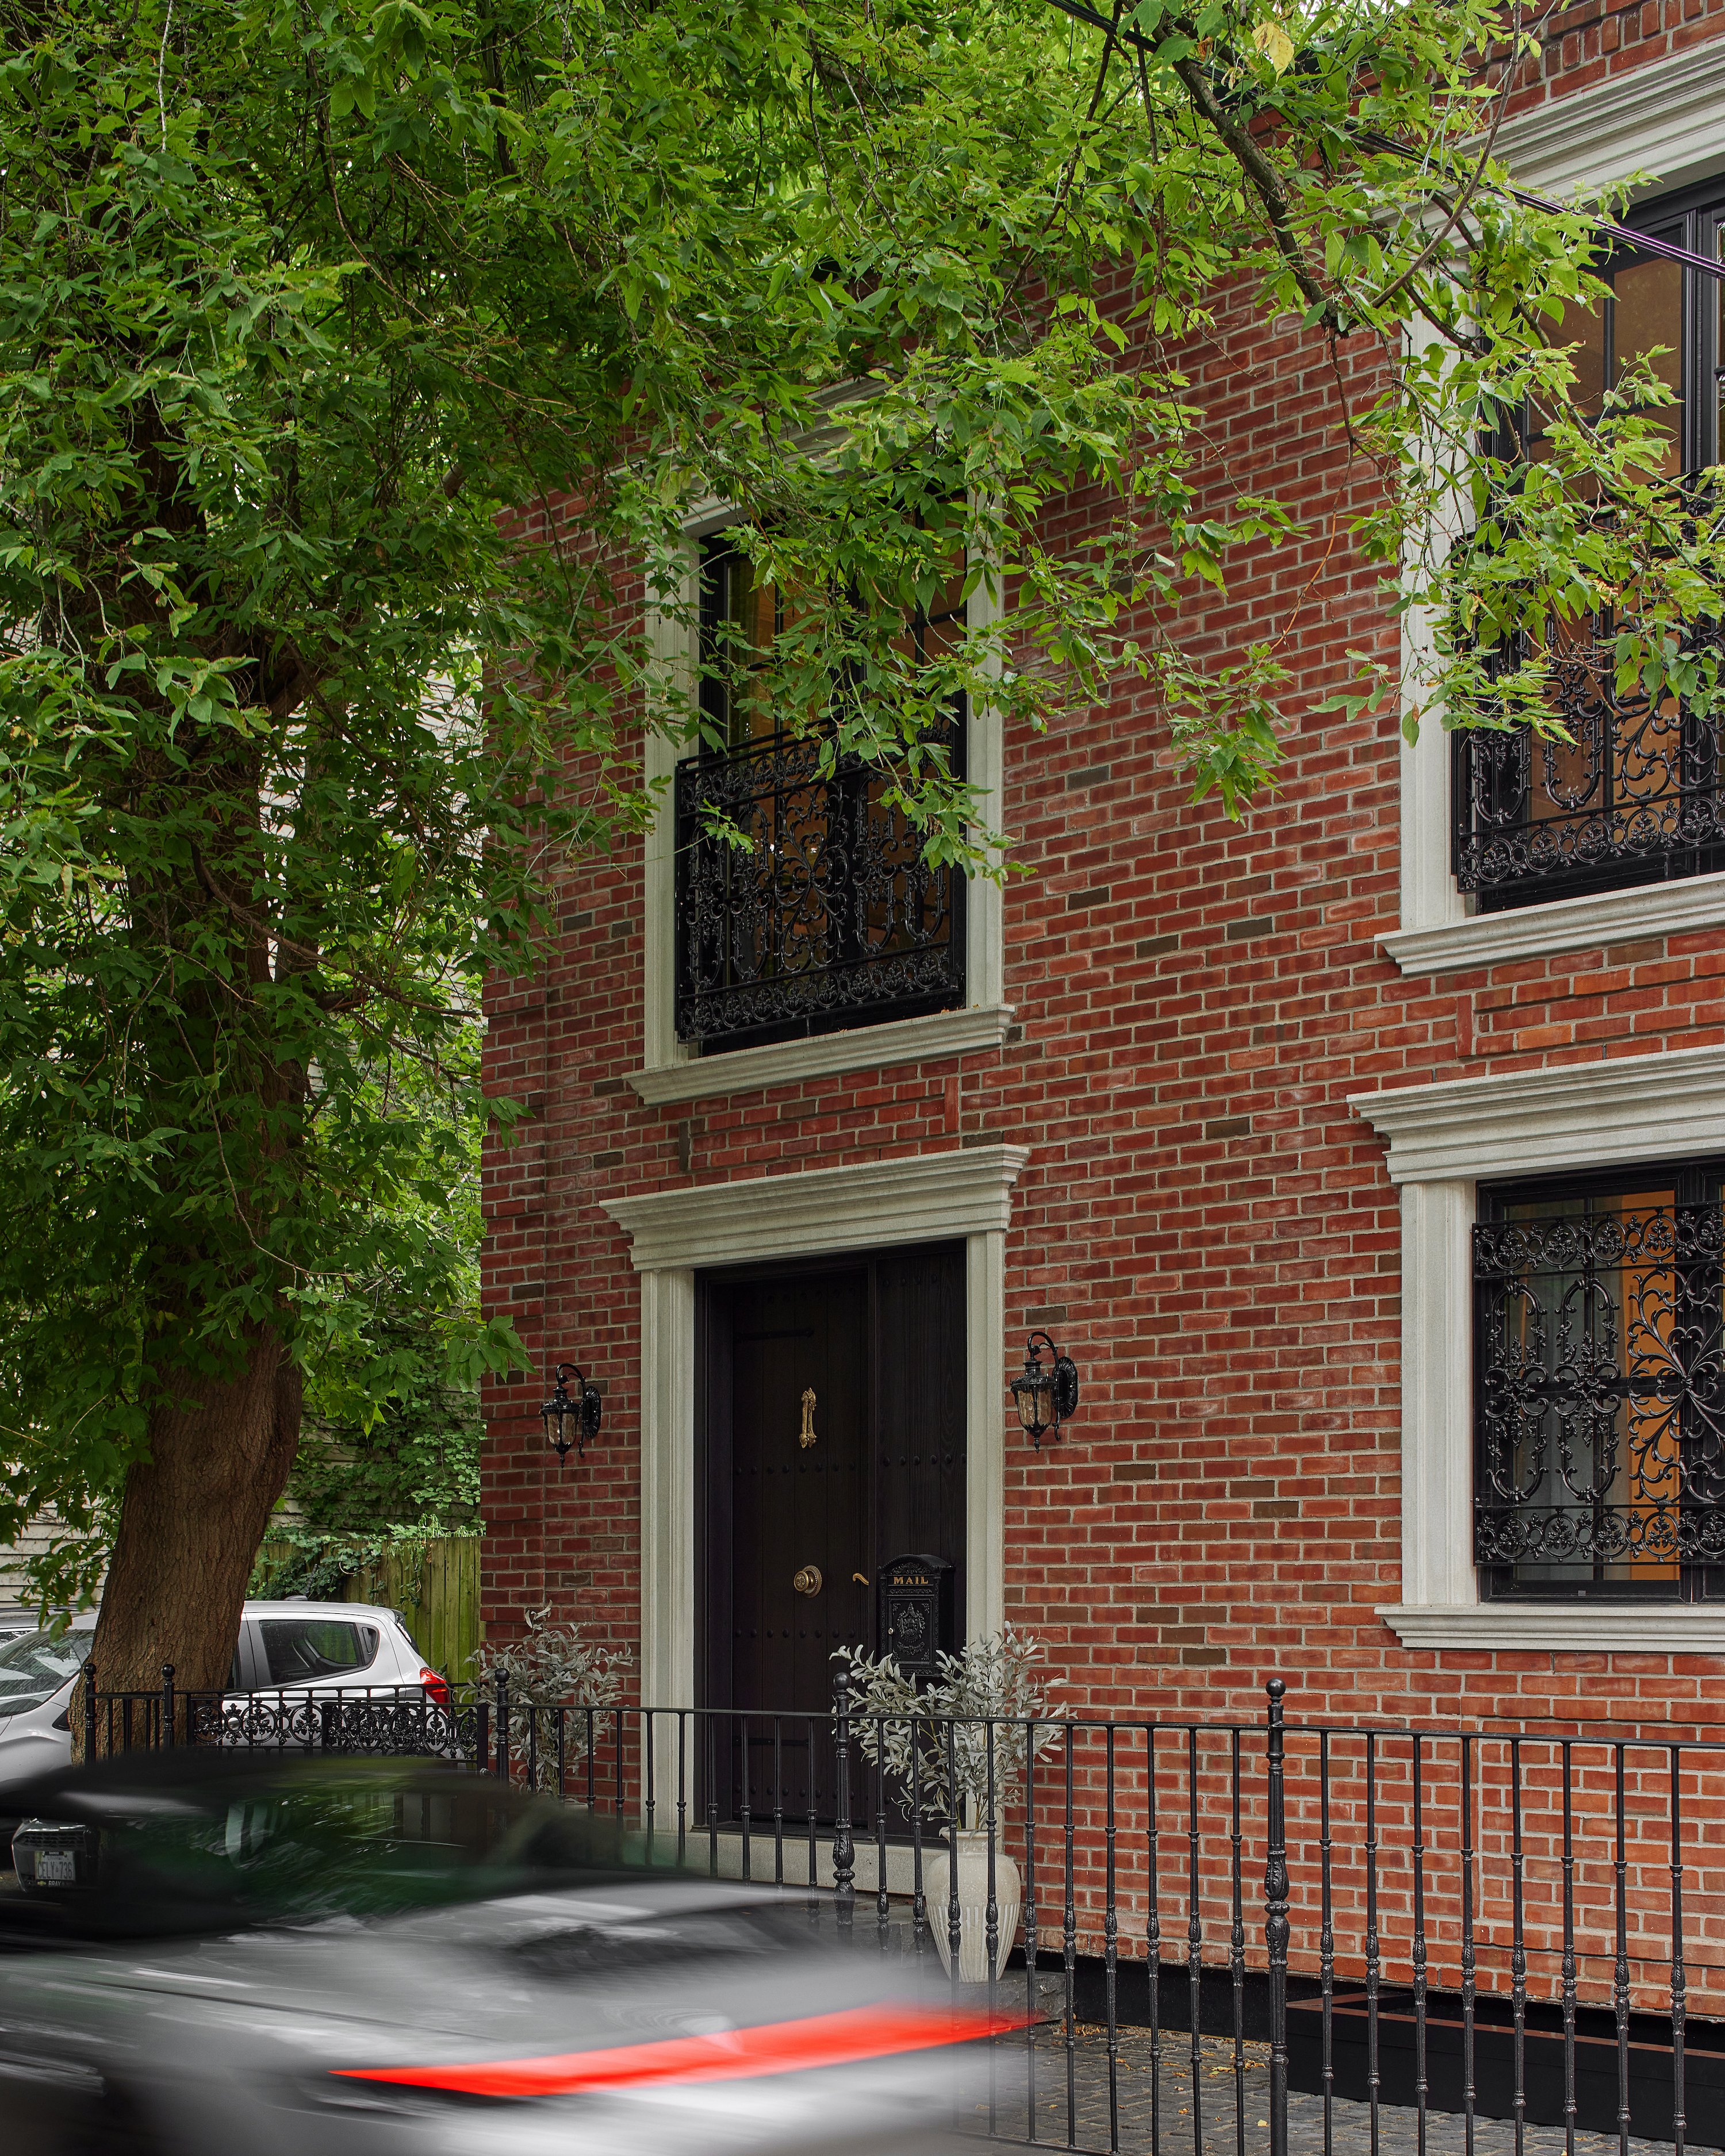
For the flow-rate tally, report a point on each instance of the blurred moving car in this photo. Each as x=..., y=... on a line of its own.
x=289, y=1648
x=209, y=1951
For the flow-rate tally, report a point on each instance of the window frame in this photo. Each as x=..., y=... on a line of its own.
x=1689, y=813
x=1444, y=1139
x=1694, y=1183
x=774, y=768
x=669, y=1073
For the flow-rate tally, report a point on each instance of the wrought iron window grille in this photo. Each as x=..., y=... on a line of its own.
x=832, y=918
x=1636, y=797
x=829, y=915
x=1600, y=1395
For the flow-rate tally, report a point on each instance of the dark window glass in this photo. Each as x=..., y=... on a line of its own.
x=1635, y=797
x=296, y=1648
x=1599, y=1387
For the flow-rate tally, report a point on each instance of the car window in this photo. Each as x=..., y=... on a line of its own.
x=296, y=1648
x=34, y=1667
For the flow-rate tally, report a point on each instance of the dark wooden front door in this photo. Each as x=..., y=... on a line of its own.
x=832, y=1440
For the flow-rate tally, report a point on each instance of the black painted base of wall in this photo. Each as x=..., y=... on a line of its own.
x=1651, y=2078
x=1651, y=2071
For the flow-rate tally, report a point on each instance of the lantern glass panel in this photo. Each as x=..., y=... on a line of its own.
x=1031, y=1393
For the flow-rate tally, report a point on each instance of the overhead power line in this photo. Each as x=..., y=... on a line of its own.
x=1624, y=235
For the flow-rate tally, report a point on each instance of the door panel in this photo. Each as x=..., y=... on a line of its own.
x=919, y=1416
x=795, y=1506
x=879, y=1342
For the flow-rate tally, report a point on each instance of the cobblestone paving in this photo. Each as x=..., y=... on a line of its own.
x=1398, y=2128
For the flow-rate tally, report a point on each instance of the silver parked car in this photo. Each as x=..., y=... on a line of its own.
x=210, y=1951
x=289, y=1648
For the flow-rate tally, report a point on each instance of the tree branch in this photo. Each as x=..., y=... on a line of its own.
x=1267, y=186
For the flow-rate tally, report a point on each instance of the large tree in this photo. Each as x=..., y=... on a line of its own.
x=312, y=321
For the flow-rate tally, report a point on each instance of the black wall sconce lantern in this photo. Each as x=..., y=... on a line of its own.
x=1045, y=1398
x=570, y=1418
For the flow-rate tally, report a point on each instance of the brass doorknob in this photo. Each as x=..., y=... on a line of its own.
x=808, y=1580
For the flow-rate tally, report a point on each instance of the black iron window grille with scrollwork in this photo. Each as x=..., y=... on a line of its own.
x=1599, y=1392
x=831, y=918
x=829, y=915
x=1635, y=798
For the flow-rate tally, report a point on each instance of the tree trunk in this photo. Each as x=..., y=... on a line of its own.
x=192, y=1520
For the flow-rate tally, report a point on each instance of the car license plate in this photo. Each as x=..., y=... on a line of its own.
x=56, y=1867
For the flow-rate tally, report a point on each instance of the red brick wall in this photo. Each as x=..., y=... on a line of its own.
x=1195, y=1001
x=1588, y=43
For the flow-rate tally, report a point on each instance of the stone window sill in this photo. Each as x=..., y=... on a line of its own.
x=1565, y=924
x=1678, y=1628
x=861, y=1048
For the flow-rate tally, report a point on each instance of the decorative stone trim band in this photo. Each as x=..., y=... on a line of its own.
x=1542, y=1628
x=925, y=1199
x=1662, y=118
x=859, y=1048
x=1580, y=1114
x=1566, y=924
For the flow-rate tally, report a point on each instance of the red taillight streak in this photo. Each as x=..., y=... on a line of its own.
x=437, y=1688
x=772, y=2047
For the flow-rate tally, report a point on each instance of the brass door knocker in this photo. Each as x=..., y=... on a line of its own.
x=805, y=1436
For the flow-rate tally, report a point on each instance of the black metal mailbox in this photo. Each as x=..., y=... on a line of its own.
x=916, y=1611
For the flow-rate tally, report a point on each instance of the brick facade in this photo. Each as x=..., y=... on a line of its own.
x=1195, y=1002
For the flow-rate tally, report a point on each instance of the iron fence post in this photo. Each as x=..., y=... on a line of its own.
x=844, y=1849
x=1276, y=1926
x=168, y=1705
x=503, y=1727
x=90, y=1710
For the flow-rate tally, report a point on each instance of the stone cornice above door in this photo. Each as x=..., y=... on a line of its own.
x=924, y=1197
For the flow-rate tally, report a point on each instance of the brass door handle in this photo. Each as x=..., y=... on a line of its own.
x=860, y=1578
x=807, y=1581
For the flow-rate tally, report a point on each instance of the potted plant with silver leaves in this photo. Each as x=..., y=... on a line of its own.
x=560, y=1687
x=955, y=1746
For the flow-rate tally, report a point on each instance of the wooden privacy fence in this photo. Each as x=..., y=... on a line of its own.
x=436, y=1587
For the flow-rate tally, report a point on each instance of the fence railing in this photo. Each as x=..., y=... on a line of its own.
x=1520, y=1923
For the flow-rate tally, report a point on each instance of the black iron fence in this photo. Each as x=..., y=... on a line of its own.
x=1515, y=1921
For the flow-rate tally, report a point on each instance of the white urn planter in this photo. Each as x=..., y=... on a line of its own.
x=972, y=1905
